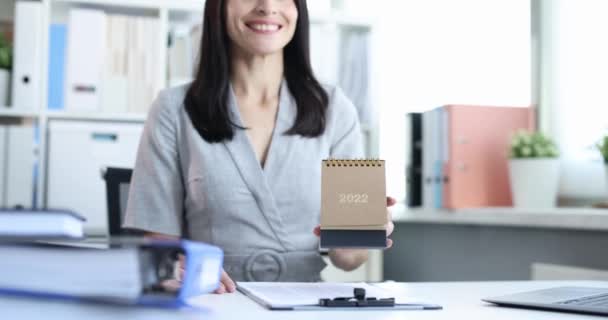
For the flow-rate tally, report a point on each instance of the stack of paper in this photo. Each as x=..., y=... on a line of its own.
x=37, y=225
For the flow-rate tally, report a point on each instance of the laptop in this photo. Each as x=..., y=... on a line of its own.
x=571, y=299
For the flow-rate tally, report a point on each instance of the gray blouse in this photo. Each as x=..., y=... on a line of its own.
x=218, y=193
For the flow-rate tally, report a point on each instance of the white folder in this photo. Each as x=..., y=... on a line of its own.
x=3, y=155
x=27, y=65
x=20, y=166
x=85, y=59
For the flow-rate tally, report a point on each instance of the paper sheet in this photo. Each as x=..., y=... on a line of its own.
x=288, y=294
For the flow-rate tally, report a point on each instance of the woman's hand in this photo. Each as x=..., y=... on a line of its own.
x=351, y=259
x=390, y=226
x=226, y=284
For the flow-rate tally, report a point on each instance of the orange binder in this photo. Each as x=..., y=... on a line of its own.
x=476, y=168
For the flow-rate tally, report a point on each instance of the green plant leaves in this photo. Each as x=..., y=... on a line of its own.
x=526, y=144
x=5, y=53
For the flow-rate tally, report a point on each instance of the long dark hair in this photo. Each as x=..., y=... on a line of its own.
x=206, y=101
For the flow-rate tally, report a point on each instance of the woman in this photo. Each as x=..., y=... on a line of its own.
x=234, y=158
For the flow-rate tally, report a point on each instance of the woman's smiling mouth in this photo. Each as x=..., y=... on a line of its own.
x=263, y=27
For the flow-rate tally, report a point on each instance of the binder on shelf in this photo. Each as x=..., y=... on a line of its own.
x=477, y=154
x=414, y=169
x=143, y=59
x=20, y=162
x=183, y=53
x=3, y=155
x=429, y=137
x=354, y=71
x=353, y=203
x=439, y=157
x=85, y=59
x=139, y=271
x=115, y=84
x=27, y=64
x=57, y=66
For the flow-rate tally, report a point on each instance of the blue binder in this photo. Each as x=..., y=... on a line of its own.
x=156, y=261
x=57, y=64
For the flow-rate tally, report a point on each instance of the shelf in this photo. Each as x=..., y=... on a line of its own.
x=558, y=218
x=186, y=5
x=10, y=113
x=97, y=116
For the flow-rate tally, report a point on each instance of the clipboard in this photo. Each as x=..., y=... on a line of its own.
x=293, y=296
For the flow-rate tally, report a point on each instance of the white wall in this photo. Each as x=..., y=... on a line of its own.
x=436, y=52
x=574, y=80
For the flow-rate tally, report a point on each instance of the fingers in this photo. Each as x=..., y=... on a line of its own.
x=389, y=243
x=226, y=284
x=390, y=201
x=229, y=285
x=390, y=227
x=317, y=231
x=221, y=289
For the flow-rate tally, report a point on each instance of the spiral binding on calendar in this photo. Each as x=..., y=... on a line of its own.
x=353, y=163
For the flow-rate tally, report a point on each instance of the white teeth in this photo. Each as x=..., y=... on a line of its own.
x=265, y=27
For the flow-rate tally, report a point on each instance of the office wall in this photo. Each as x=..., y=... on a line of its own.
x=435, y=252
x=6, y=9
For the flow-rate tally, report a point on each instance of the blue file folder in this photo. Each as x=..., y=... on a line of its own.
x=153, y=278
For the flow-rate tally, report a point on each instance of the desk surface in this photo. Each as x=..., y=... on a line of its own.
x=461, y=300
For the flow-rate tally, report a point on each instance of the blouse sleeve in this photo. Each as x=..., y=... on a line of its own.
x=156, y=195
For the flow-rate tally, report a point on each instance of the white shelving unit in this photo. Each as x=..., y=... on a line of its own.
x=184, y=5
x=8, y=112
x=168, y=12
x=82, y=116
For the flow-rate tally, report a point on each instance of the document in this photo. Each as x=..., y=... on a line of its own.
x=297, y=295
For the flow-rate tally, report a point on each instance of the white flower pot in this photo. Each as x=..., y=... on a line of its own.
x=5, y=81
x=534, y=182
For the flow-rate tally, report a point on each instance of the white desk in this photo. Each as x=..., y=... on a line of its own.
x=461, y=300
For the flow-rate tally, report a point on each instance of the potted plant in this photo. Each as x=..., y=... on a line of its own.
x=533, y=170
x=5, y=67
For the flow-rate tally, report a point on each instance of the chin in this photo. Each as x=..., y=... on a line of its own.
x=265, y=51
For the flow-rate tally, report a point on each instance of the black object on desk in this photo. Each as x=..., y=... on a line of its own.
x=359, y=300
